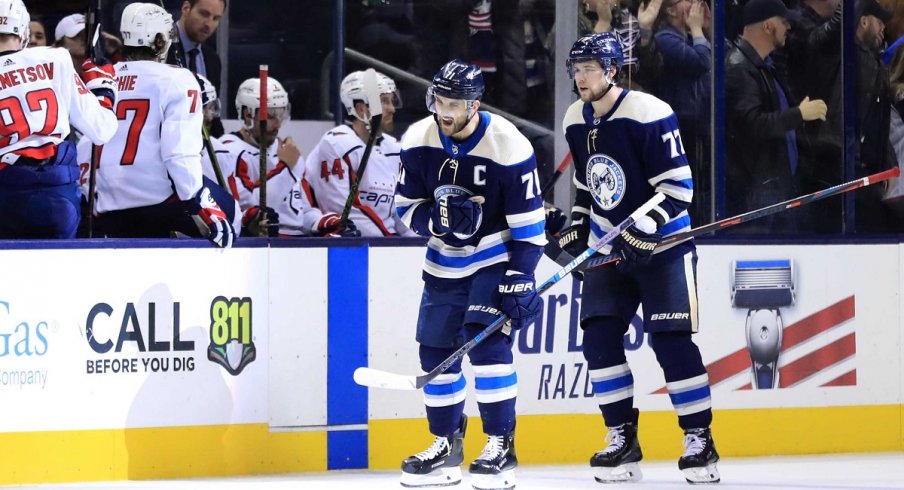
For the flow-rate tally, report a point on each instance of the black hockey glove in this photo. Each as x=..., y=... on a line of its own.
x=574, y=238
x=251, y=221
x=635, y=247
x=520, y=300
x=555, y=220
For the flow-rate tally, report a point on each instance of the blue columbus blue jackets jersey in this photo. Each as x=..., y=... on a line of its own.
x=497, y=163
x=622, y=158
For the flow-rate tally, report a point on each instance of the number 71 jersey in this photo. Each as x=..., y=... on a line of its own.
x=156, y=151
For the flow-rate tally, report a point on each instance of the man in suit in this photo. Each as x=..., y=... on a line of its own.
x=199, y=20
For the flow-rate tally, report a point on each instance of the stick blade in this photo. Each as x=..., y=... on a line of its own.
x=376, y=378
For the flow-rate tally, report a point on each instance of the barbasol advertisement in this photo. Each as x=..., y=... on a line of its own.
x=780, y=326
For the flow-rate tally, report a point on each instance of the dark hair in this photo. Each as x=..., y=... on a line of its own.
x=192, y=3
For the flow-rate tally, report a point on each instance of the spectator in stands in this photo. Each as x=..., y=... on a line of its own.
x=643, y=62
x=762, y=120
x=37, y=36
x=814, y=69
x=874, y=99
x=683, y=38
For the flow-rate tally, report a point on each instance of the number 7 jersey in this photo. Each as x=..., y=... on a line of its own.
x=156, y=151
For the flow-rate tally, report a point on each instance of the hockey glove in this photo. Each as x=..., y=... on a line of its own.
x=574, y=238
x=555, y=220
x=251, y=220
x=459, y=215
x=635, y=248
x=101, y=81
x=331, y=224
x=520, y=300
x=211, y=220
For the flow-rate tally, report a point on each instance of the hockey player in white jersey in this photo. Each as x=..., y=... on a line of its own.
x=40, y=95
x=149, y=181
x=334, y=162
x=286, y=195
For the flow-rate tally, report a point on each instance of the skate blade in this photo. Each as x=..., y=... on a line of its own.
x=442, y=477
x=625, y=473
x=703, y=474
x=503, y=481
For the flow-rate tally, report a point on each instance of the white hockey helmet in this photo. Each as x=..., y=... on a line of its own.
x=16, y=19
x=249, y=97
x=141, y=25
x=209, y=96
x=352, y=89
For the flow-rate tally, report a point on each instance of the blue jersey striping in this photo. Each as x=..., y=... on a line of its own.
x=626, y=156
x=496, y=163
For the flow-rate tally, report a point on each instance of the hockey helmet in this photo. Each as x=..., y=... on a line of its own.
x=456, y=80
x=603, y=47
x=352, y=89
x=249, y=97
x=143, y=24
x=209, y=96
x=16, y=19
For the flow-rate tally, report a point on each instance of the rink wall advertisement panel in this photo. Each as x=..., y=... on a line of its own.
x=168, y=363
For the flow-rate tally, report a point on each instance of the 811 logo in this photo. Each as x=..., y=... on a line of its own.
x=231, y=339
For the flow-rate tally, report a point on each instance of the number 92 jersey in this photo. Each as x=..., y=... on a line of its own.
x=496, y=163
x=624, y=157
x=156, y=151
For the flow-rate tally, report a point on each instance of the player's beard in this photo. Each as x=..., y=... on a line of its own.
x=269, y=136
x=387, y=124
x=455, y=126
x=594, y=94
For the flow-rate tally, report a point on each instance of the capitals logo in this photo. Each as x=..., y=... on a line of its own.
x=606, y=180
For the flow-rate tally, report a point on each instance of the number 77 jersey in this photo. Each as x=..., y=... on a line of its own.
x=156, y=151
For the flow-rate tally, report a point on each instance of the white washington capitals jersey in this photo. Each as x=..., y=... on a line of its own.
x=40, y=95
x=333, y=164
x=622, y=158
x=497, y=163
x=156, y=151
x=284, y=192
x=226, y=163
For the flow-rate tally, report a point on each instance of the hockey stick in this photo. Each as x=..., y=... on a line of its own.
x=262, y=116
x=97, y=55
x=555, y=177
x=376, y=378
x=372, y=90
x=759, y=213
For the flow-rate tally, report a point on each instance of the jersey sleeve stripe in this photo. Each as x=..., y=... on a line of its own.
x=679, y=193
x=534, y=233
x=681, y=223
x=677, y=174
x=580, y=209
x=519, y=219
x=577, y=183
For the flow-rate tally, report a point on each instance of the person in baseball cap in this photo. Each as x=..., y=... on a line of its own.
x=761, y=10
x=70, y=26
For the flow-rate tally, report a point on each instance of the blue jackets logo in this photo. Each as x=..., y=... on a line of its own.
x=606, y=181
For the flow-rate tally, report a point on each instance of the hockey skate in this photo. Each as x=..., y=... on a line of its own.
x=494, y=469
x=439, y=465
x=700, y=457
x=618, y=461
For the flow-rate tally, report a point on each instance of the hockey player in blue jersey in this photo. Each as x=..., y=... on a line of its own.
x=627, y=147
x=469, y=183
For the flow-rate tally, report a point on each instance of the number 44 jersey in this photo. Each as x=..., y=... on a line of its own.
x=156, y=151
